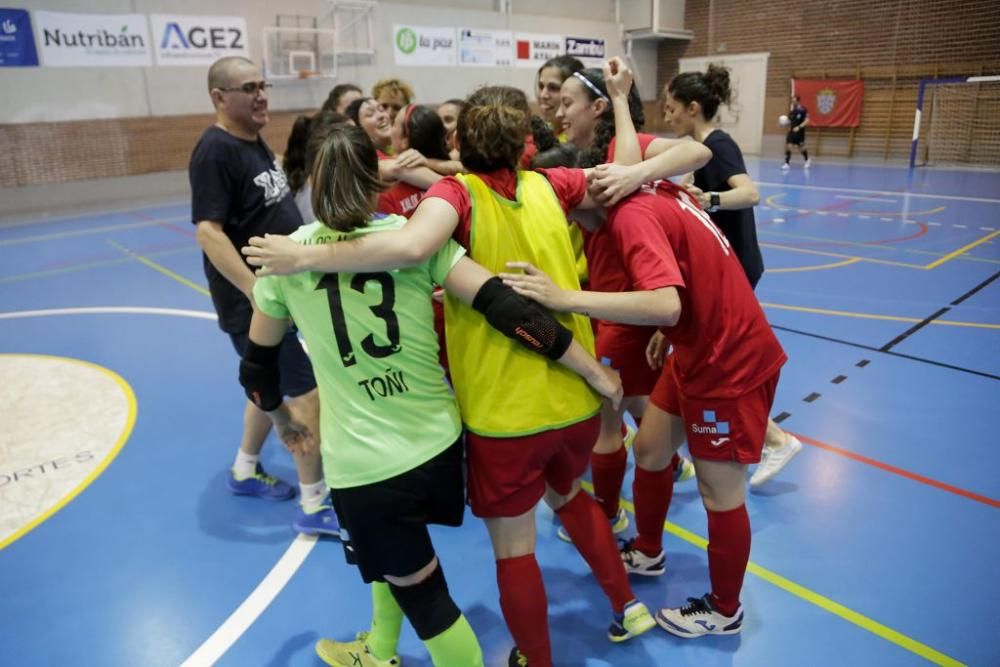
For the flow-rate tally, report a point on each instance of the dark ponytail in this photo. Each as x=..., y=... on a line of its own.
x=293, y=162
x=710, y=90
x=345, y=179
x=542, y=134
x=604, y=130
x=425, y=131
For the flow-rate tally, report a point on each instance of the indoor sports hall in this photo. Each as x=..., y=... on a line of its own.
x=878, y=544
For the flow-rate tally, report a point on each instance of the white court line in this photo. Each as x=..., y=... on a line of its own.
x=886, y=219
x=248, y=612
x=102, y=310
x=86, y=232
x=887, y=201
x=275, y=581
x=934, y=224
x=843, y=215
x=865, y=217
x=919, y=195
x=85, y=216
x=960, y=226
x=988, y=229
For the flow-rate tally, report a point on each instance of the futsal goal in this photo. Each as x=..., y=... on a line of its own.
x=957, y=122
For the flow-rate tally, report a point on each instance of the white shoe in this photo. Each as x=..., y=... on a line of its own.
x=774, y=459
x=785, y=167
x=808, y=164
x=698, y=618
x=618, y=525
x=637, y=562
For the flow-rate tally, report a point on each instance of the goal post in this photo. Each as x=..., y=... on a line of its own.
x=957, y=121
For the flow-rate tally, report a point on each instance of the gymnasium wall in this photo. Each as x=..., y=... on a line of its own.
x=890, y=44
x=82, y=123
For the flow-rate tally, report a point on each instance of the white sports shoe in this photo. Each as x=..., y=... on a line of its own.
x=636, y=562
x=698, y=618
x=785, y=167
x=808, y=164
x=773, y=460
x=618, y=525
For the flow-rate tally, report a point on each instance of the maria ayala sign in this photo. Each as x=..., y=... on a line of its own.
x=92, y=40
x=197, y=40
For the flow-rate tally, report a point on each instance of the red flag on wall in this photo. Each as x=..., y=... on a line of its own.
x=830, y=103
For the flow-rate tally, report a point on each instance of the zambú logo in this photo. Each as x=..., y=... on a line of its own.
x=406, y=40
x=825, y=99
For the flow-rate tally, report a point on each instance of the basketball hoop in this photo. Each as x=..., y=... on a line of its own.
x=307, y=73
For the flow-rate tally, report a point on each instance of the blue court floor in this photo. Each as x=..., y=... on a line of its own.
x=879, y=545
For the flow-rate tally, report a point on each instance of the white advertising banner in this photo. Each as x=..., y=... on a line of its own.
x=424, y=45
x=485, y=48
x=92, y=40
x=197, y=40
x=533, y=49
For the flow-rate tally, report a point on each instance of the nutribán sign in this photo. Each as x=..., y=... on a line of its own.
x=92, y=40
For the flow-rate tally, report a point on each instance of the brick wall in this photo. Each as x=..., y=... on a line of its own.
x=78, y=150
x=890, y=44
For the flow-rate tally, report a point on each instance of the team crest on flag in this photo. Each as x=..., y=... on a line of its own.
x=825, y=100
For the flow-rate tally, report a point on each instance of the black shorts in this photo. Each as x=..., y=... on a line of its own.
x=296, y=370
x=386, y=522
x=797, y=138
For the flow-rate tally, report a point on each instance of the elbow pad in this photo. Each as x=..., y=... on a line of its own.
x=522, y=319
x=260, y=376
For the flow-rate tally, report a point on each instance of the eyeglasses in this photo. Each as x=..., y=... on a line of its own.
x=250, y=87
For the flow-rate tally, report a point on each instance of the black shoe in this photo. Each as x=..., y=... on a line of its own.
x=516, y=658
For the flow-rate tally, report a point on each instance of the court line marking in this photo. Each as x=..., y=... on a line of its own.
x=72, y=268
x=874, y=316
x=254, y=605
x=952, y=255
x=817, y=267
x=986, y=500
x=160, y=268
x=824, y=253
x=83, y=217
x=270, y=586
x=133, y=409
x=771, y=200
x=814, y=598
x=86, y=232
x=858, y=198
x=889, y=193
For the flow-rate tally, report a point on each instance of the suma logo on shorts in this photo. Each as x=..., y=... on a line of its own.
x=713, y=427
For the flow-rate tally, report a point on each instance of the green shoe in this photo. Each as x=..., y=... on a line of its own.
x=352, y=654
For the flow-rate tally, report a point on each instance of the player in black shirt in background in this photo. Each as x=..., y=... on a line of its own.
x=798, y=118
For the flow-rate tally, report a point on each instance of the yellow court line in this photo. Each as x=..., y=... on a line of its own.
x=864, y=259
x=953, y=255
x=89, y=479
x=812, y=597
x=161, y=269
x=870, y=260
x=817, y=267
x=873, y=316
x=888, y=214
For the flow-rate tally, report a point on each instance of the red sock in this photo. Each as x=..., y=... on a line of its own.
x=525, y=607
x=587, y=526
x=608, y=473
x=675, y=462
x=651, y=493
x=728, y=554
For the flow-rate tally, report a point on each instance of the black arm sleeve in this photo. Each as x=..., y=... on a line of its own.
x=260, y=376
x=522, y=319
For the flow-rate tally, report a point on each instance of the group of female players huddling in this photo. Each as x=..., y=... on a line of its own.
x=558, y=241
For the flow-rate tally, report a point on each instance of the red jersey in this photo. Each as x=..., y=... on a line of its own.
x=401, y=199
x=723, y=344
x=569, y=186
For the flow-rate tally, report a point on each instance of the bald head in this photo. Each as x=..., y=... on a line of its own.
x=222, y=71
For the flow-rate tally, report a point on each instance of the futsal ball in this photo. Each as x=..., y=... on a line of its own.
x=783, y=120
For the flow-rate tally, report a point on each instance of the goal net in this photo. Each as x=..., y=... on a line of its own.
x=957, y=122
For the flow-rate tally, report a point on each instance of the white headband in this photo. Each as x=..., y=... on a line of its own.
x=594, y=89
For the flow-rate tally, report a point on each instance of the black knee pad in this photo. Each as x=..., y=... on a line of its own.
x=428, y=605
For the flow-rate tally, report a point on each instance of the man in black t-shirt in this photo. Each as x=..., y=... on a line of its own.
x=238, y=191
x=798, y=118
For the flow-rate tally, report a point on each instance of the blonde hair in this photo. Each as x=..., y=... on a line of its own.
x=395, y=86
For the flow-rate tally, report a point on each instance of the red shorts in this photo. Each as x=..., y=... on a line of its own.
x=719, y=429
x=507, y=476
x=625, y=347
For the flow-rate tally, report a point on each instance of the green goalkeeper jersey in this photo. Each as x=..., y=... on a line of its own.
x=385, y=407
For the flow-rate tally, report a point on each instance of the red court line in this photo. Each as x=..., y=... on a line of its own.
x=899, y=471
x=921, y=232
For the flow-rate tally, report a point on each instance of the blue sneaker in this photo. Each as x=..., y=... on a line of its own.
x=260, y=485
x=321, y=521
